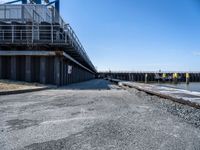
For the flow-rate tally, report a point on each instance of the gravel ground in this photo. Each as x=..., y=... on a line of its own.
x=96, y=115
x=189, y=114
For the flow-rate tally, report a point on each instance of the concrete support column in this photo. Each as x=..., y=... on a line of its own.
x=0, y=67
x=13, y=68
x=28, y=69
x=43, y=70
x=57, y=71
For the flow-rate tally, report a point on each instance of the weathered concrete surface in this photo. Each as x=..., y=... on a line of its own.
x=101, y=116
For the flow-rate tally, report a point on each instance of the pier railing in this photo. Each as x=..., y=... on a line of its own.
x=44, y=33
x=37, y=24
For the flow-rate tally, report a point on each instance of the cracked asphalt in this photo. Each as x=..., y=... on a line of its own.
x=95, y=115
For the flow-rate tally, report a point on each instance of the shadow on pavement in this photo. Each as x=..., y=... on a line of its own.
x=96, y=84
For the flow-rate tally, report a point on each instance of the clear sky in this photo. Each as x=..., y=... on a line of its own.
x=136, y=35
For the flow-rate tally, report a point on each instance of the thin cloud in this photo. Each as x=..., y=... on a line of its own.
x=196, y=53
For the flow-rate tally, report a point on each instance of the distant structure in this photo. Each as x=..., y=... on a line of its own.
x=152, y=76
x=36, y=45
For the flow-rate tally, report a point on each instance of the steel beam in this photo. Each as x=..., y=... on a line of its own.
x=57, y=5
x=27, y=53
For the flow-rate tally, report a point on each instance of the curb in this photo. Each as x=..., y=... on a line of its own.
x=170, y=97
x=178, y=100
x=23, y=91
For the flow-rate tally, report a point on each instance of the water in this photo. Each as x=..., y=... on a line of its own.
x=193, y=86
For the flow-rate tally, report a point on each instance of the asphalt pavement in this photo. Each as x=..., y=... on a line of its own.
x=94, y=115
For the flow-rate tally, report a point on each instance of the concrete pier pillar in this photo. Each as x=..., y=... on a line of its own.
x=57, y=71
x=0, y=67
x=28, y=69
x=13, y=68
x=43, y=70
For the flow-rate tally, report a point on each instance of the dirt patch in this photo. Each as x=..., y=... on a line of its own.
x=17, y=124
x=7, y=85
x=91, y=109
x=75, y=113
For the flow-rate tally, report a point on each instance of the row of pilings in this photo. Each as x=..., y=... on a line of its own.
x=152, y=76
x=55, y=70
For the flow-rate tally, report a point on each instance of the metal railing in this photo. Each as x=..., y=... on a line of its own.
x=25, y=13
x=30, y=13
x=31, y=34
x=17, y=33
x=37, y=24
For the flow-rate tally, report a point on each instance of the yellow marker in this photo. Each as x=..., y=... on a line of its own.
x=187, y=75
x=187, y=78
x=164, y=75
x=175, y=75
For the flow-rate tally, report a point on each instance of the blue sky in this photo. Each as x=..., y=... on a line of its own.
x=144, y=35
x=137, y=35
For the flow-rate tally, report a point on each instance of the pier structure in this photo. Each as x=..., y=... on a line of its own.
x=152, y=76
x=36, y=45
